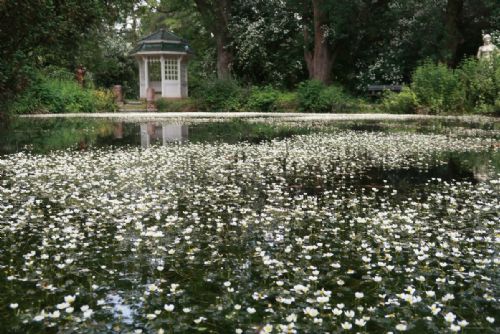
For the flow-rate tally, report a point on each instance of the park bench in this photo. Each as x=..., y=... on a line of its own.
x=377, y=90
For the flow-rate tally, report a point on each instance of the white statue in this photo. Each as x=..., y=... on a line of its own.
x=488, y=49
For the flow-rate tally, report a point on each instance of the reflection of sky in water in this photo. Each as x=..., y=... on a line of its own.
x=120, y=310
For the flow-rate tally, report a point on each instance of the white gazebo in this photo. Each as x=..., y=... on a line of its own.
x=162, y=58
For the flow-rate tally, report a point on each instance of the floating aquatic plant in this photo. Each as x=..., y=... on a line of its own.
x=299, y=235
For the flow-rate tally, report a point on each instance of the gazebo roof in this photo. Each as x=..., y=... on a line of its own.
x=162, y=41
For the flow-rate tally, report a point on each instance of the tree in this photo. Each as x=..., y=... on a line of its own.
x=39, y=33
x=320, y=58
x=266, y=39
x=216, y=14
x=452, y=31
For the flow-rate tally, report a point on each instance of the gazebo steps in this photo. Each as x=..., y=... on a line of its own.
x=134, y=103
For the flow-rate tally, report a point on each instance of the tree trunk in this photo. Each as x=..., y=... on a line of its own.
x=224, y=58
x=452, y=36
x=320, y=60
x=216, y=15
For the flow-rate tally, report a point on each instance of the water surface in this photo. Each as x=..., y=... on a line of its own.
x=217, y=227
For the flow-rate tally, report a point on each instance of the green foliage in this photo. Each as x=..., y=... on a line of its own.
x=404, y=102
x=263, y=99
x=482, y=84
x=313, y=96
x=219, y=95
x=50, y=92
x=474, y=87
x=104, y=100
x=438, y=88
x=111, y=64
x=35, y=34
x=287, y=102
x=308, y=94
x=177, y=105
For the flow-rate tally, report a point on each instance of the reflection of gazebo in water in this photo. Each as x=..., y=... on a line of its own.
x=163, y=133
x=162, y=58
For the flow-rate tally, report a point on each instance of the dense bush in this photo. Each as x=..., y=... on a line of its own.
x=404, y=102
x=313, y=96
x=55, y=91
x=287, y=102
x=263, y=99
x=481, y=80
x=474, y=87
x=308, y=95
x=438, y=88
x=219, y=95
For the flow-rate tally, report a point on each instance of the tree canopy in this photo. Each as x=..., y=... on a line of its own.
x=258, y=42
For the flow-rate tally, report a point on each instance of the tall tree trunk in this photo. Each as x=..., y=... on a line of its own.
x=224, y=58
x=216, y=15
x=320, y=60
x=452, y=35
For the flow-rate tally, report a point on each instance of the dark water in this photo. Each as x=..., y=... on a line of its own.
x=41, y=136
x=45, y=135
x=122, y=271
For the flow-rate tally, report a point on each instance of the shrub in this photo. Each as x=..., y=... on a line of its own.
x=404, y=102
x=438, y=88
x=314, y=96
x=263, y=99
x=54, y=94
x=287, y=102
x=104, y=100
x=481, y=80
x=308, y=95
x=334, y=98
x=58, y=73
x=219, y=95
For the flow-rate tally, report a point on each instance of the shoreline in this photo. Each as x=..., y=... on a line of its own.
x=235, y=115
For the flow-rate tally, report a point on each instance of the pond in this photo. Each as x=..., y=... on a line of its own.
x=249, y=226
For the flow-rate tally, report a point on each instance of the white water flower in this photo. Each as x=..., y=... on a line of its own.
x=69, y=299
x=430, y=293
x=312, y=312
x=267, y=329
x=360, y=322
x=169, y=307
x=401, y=327
x=448, y=297
x=346, y=325
x=450, y=317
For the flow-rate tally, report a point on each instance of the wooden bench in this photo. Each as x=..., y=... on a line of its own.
x=377, y=90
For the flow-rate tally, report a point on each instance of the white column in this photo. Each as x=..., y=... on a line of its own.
x=179, y=80
x=163, y=90
x=146, y=75
x=141, y=78
x=186, y=83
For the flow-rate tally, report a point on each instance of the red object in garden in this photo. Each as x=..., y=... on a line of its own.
x=150, y=99
x=80, y=74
